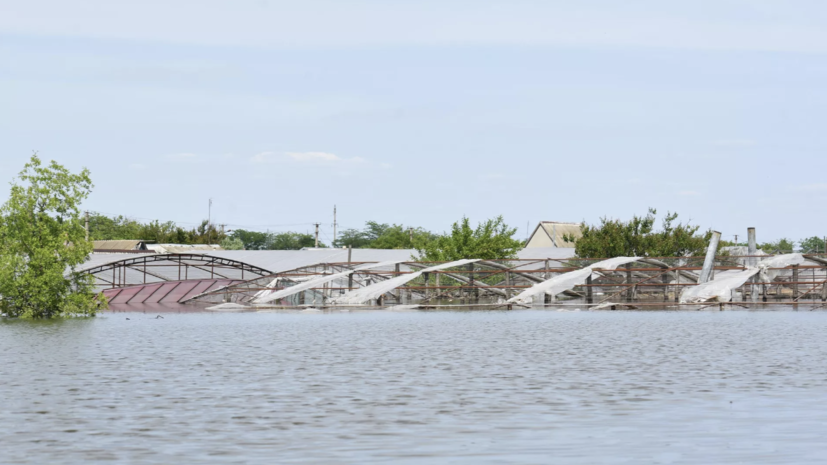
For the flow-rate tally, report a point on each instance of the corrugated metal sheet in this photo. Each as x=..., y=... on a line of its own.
x=161, y=297
x=183, y=248
x=559, y=253
x=163, y=293
x=118, y=245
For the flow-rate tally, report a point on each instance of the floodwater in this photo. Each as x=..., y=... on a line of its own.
x=418, y=387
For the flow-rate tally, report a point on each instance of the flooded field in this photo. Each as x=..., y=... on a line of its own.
x=417, y=387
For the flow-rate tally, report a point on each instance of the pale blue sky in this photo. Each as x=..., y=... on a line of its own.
x=421, y=112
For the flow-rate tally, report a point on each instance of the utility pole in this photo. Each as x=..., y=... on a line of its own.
x=736, y=239
x=209, y=223
x=317, y=234
x=334, y=224
x=410, y=234
x=752, y=250
x=87, y=225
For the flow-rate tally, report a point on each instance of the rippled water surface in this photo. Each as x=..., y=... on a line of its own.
x=435, y=387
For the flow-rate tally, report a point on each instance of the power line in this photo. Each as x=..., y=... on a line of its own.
x=326, y=236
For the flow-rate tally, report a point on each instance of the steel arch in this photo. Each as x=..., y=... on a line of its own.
x=154, y=266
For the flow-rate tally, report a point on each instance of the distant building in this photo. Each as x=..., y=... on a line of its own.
x=119, y=246
x=552, y=234
x=139, y=246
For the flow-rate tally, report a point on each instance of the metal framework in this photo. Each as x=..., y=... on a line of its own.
x=649, y=281
x=154, y=268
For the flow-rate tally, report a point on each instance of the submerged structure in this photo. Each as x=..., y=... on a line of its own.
x=621, y=282
x=251, y=280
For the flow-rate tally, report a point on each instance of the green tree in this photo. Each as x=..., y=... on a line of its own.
x=103, y=228
x=42, y=241
x=813, y=244
x=232, y=243
x=360, y=238
x=158, y=232
x=383, y=236
x=291, y=241
x=206, y=233
x=491, y=240
x=783, y=245
x=255, y=240
x=252, y=240
x=179, y=236
x=399, y=237
x=638, y=238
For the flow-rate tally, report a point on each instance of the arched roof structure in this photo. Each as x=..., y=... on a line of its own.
x=141, y=269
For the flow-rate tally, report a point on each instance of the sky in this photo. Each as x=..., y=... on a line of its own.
x=422, y=112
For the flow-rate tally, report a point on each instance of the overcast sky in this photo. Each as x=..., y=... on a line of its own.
x=420, y=112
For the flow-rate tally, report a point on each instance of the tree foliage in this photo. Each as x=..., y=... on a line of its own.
x=812, y=244
x=361, y=238
x=291, y=241
x=783, y=245
x=42, y=241
x=254, y=240
x=232, y=243
x=102, y=228
x=491, y=240
x=383, y=236
x=638, y=238
x=206, y=233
